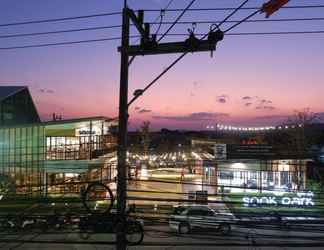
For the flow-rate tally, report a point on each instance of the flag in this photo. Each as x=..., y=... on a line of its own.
x=272, y=6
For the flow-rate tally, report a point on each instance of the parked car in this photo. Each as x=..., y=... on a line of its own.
x=187, y=218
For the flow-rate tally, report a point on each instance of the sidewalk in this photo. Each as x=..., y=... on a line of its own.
x=101, y=247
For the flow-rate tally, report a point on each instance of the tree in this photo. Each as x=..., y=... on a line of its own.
x=145, y=136
x=299, y=143
x=299, y=122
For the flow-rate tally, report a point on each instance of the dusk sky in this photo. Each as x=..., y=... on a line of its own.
x=251, y=80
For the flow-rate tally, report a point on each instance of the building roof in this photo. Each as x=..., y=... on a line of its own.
x=6, y=91
x=78, y=120
x=67, y=127
x=69, y=123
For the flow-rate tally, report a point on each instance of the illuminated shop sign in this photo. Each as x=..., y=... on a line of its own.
x=86, y=132
x=301, y=199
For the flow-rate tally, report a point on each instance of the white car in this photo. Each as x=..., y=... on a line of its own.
x=187, y=218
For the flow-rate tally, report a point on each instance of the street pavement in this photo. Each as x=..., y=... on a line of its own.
x=160, y=237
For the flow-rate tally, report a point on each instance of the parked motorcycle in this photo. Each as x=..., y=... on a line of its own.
x=110, y=223
x=8, y=223
x=98, y=200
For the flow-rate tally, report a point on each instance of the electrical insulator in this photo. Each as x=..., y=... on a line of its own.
x=214, y=37
x=192, y=43
x=150, y=43
x=138, y=92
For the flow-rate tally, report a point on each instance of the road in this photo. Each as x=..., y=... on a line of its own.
x=160, y=237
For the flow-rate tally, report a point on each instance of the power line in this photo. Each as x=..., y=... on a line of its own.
x=169, y=4
x=61, y=43
x=173, y=34
x=185, y=53
x=248, y=21
x=162, y=13
x=232, y=8
x=163, y=10
x=233, y=12
x=160, y=23
x=150, y=10
x=276, y=33
x=259, y=33
x=163, y=23
x=172, y=25
x=60, y=19
x=242, y=21
x=158, y=77
x=204, y=36
x=179, y=58
x=177, y=19
x=60, y=31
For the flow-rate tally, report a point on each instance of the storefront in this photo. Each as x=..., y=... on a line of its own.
x=77, y=149
x=37, y=155
x=262, y=175
x=78, y=139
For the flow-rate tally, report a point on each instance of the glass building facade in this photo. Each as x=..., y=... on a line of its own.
x=16, y=106
x=22, y=154
x=35, y=154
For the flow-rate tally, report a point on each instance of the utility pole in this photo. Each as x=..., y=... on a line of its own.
x=122, y=135
x=148, y=46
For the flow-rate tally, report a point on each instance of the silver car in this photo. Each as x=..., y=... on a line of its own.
x=187, y=218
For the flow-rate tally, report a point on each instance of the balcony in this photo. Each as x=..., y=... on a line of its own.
x=79, y=148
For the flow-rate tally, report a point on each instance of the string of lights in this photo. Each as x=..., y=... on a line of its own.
x=223, y=127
